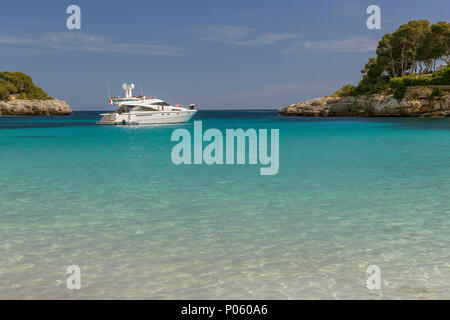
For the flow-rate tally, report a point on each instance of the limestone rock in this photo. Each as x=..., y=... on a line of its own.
x=376, y=105
x=34, y=107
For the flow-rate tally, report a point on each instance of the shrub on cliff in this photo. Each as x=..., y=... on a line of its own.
x=21, y=84
x=399, y=84
x=436, y=93
x=436, y=78
x=3, y=92
x=345, y=91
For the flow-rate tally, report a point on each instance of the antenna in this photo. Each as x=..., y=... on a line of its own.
x=142, y=93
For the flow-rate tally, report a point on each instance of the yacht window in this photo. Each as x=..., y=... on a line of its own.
x=161, y=103
x=148, y=109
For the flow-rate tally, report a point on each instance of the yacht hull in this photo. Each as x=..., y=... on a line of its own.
x=145, y=118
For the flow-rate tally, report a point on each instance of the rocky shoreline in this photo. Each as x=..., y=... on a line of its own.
x=34, y=107
x=412, y=105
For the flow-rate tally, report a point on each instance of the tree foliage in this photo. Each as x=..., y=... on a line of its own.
x=20, y=84
x=413, y=49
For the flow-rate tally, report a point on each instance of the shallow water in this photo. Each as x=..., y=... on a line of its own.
x=349, y=193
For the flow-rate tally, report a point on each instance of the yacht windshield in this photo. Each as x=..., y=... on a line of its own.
x=160, y=103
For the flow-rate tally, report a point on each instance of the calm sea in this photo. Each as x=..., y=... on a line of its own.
x=349, y=193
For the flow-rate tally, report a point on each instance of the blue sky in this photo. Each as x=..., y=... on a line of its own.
x=216, y=54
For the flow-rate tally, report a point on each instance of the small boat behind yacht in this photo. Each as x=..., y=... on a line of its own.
x=137, y=110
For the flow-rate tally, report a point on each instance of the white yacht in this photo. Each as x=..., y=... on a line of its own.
x=135, y=110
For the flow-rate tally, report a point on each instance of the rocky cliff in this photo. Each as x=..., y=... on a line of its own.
x=34, y=107
x=412, y=105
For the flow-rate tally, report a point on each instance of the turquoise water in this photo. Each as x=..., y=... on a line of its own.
x=349, y=193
